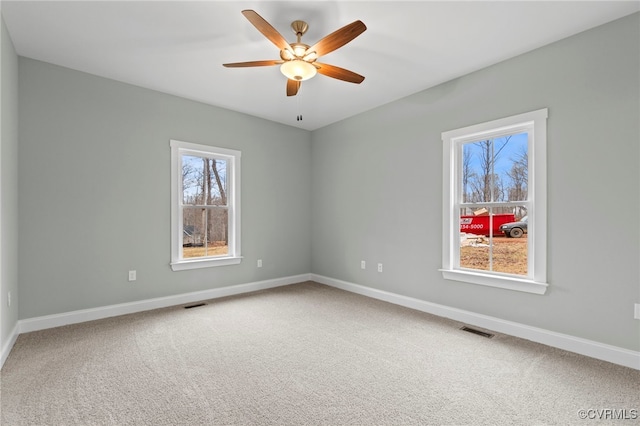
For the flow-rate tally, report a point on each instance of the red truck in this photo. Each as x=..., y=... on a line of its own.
x=480, y=224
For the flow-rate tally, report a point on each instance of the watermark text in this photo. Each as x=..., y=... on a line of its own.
x=608, y=414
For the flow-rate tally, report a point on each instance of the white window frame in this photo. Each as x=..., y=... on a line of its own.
x=178, y=149
x=535, y=124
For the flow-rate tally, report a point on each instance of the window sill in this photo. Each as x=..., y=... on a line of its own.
x=509, y=283
x=184, y=265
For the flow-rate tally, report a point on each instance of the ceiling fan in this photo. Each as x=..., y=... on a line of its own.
x=298, y=60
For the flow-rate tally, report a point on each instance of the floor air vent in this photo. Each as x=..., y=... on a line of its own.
x=194, y=306
x=478, y=332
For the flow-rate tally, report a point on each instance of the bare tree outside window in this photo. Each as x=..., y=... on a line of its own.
x=206, y=215
x=495, y=203
x=205, y=208
x=493, y=176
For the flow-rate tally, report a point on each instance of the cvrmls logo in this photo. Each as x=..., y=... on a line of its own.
x=465, y=221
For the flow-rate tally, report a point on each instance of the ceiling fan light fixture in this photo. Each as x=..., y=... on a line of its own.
x=299, y=49
x=287, y=54
x=310, y=57
x=298, y=60
x=298, y=70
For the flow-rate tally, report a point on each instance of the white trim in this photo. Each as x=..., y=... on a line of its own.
x=204, y=150
x=6, y=348
x=233, y=205
x=501, y=125
x=508, y=283
x=2, y=289
x=83, y=315
x=183, y=265
x=614, y=354
x=590, y=348
x=535, y=124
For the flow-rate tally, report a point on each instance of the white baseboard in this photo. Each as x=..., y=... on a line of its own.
x=614, y=354
x=83, y=315
x=6, y=348
x=74, y=317
x=578, y=345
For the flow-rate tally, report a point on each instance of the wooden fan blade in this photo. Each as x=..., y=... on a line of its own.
x=266, y=29
x=292, y=87
x=338, y=38
x=339, y=73
x=252, y=64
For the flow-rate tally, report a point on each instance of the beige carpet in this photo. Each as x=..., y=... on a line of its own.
x=304, y=354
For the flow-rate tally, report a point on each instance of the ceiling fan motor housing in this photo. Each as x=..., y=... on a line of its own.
x=299, y=27
x=298, y=60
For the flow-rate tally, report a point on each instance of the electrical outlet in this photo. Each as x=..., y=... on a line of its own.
x=259, y=263
x=379, y=267
x=363, y=264
x=9, y=299
x=132, y=275
x=636, y=313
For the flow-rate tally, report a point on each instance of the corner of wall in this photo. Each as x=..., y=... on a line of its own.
x=8, y=191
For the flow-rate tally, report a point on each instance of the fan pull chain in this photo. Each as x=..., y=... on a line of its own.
x=299, y=116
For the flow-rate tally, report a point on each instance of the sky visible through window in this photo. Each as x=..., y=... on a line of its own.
x=193, y=177
x=495, y=169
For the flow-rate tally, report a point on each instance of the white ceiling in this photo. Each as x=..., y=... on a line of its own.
x=178, y=47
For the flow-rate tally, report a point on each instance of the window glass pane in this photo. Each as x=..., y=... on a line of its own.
x=495, y=169
x=218, y=183
x=494, y=239
x=510, y=255
x=218, y=229
x=474, y=239
x=205, y=208
x=204, y=181
x=205, y=232
x=487, y=167
x=512, y=166
x=194, y=232
x=193, y=183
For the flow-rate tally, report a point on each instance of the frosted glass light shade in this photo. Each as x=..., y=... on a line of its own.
x=298, y=70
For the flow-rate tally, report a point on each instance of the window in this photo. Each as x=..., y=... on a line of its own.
x=205, y=206
x=494, y=203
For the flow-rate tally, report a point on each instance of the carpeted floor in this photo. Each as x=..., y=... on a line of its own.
x=304, y=354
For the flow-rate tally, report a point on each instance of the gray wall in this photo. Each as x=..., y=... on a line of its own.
x=8, y=186
x=94, y=184
x=377, y=186
x=94, y=189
